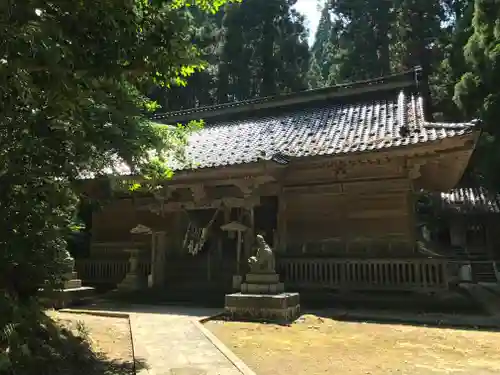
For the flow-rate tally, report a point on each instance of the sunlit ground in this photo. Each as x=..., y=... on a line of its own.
x=316, y=345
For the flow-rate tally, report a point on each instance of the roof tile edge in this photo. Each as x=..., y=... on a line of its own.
x=402, y=80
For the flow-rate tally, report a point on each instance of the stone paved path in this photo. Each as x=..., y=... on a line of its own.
x=168, y=340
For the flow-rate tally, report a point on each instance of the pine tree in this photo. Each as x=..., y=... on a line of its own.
x=199, y=89
x=447, y=73
x=477, y=93
x=321, y=59
x=360, y=36
x=264, y=51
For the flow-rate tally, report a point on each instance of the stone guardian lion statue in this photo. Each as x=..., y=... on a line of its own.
x=263, y=261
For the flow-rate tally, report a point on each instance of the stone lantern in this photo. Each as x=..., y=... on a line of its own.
x=236, y=227
x=133, y=279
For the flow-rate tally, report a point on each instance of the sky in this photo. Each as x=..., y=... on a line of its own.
x=309, y=8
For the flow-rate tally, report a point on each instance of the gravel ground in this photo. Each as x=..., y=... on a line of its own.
x=318, y=345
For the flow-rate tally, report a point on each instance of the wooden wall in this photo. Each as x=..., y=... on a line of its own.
x=335, y=209
x=343, y=220
x=111, y=227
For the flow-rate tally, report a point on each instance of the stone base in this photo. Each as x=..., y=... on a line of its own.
x=131, y=282
x=237, y=280
x=277, y=307
x=262, y=288
x=262, y=278
x=72, y=284
x=71, y=275
x=62, y=298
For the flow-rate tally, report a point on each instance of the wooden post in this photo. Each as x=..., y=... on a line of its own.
x=251, y=230
x=238, y=254
x=209, y=267
x=158, y=259
x=281, y=224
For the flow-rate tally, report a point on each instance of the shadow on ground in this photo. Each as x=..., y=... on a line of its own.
x=43, y=347
x=120, y=307
x=453, y=309
x=442, y=321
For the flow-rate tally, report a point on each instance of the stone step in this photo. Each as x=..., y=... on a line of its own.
x=63, y=298
x=262, y=278
x=262, y=288
x=484, y=272
x=486, y=277
x=73, y=284
x=71, y=276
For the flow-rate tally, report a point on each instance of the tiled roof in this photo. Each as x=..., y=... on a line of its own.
x=403, y=79
x=470, y=200
x=362, y=116
x=326, y=129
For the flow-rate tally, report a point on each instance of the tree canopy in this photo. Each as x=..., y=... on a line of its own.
x=73, y=84
x=456, y=42
x=477, y=92
x=78, y=80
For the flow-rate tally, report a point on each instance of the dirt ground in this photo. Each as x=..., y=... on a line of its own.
x=315, y=345
x=109, y=337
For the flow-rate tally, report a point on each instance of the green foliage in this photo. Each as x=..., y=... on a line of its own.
x=33, y=343
x=264, y=50
x=477, y=93
x=322, y=51
x=256, y=48
x=72, y=77
x=360, y=39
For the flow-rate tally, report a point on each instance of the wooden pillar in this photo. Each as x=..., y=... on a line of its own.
x=249, y=234
x=458, y=233
x=158, y=258
x=489, y=237
x=412, y=222
x=219, y=248
x=251, y=225
x=281, y=224
x=209, y=263
x=238, y=253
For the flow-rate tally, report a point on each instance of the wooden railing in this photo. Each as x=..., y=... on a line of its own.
x=364, y=274
x=110, y=271
x=349, y=274
x=113, y=249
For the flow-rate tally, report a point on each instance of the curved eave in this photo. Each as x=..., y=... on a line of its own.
x=443, y=170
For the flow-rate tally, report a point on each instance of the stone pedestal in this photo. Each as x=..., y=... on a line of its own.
x=272, y=307
x=71, y=281
x=265, y=283
x=465, y=273
x=263, y=297
x=132, y=281
x=72, y=292
x=237, y=280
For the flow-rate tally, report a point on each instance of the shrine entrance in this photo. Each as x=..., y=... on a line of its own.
x=266, y=219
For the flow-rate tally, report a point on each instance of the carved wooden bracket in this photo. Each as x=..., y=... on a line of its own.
x=340, y=170
x=413, y=168
x=245, y=187
x=154, y=208
x=248, y=186
x=165, y=194
x=199, y=192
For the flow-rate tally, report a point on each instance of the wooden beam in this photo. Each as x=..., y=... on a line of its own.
x=429, y=150
x=205, y=204
x=372, y=186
